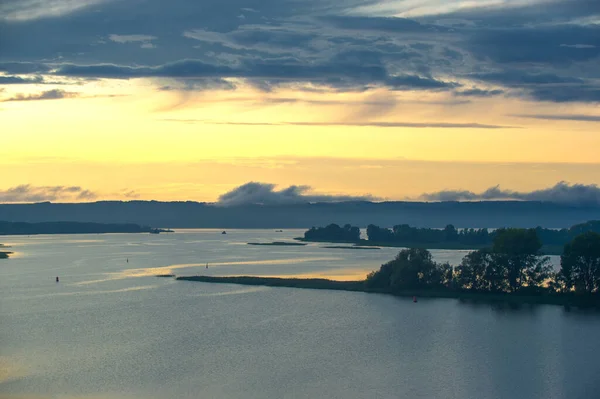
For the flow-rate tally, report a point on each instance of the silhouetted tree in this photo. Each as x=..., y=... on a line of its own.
x=333, y=232
x=450, y=233
x=516, y=250
x=580, y=263
x=411, y=268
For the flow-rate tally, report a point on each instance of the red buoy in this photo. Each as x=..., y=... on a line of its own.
x=414, y=299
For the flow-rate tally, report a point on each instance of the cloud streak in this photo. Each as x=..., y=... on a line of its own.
x=566, y=117
x=45, y=95
x=561, y=193
x=27, y=193
x=350, y=124
x=267, y=194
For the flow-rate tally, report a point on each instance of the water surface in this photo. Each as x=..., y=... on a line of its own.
x=110, y=329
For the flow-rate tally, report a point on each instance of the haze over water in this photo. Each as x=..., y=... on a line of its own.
x=110, y=329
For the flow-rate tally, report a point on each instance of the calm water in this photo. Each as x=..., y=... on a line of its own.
x=110, y=329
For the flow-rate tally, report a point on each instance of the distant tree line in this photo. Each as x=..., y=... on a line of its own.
x=404, y=233
x=450, y=236
x=512, y=265
x=333, y=233
x=22, y=228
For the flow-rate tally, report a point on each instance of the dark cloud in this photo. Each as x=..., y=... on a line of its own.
x=266, y=194
x=561, y=193
x=518, y=78
x=564, y=94
x=28, y=193
x=571, y=117
x=542, y=51
x=382, y=24
x=17, y=80
x=45, y=95
x=272, y=72
x=360, y=124
x=417, y=82
x=478, y=93
x=16, y=68
x=542, y=44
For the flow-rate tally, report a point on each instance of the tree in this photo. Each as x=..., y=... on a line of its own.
x=516, y=250
x=450, y=233
x=411, y=268
x=580, y=263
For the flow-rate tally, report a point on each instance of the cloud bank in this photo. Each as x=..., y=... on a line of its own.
x=55, y=94
x=27, y=193
x=266, y=194
x=561, y=193
x=543, y=50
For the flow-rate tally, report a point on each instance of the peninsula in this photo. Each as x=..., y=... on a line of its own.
x=512, y=271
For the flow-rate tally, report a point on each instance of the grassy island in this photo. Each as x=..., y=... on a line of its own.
x=279, y=244
x=511, y=272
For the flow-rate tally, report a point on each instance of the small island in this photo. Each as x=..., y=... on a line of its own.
x=512, y=271
x=4, y=254
x=158, y=231
x=279, y=244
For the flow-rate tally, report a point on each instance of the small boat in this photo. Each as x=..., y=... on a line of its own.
x=224, y=232
x=155, y=231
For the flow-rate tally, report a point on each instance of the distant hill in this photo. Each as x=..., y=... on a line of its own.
x=22, y=228
x=204, y=215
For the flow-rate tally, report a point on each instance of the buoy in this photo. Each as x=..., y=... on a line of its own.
x=414, y=299
x=57, y=279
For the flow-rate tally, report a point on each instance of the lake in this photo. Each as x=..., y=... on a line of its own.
x=110, y=329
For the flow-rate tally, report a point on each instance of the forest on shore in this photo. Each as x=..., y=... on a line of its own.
x=403, y=235
x=512, y=270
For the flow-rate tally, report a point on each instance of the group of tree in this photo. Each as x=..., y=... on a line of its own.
x=512, y=265
x=405, y=235
x=333, y=233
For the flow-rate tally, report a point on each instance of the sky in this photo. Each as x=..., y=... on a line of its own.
x=327, y=99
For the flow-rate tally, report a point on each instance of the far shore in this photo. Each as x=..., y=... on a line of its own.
x=546, y=249
x=278, y=243
x=567, y=300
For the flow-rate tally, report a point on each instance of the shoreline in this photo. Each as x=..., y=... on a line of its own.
x=546, y=250
x=566, y=300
